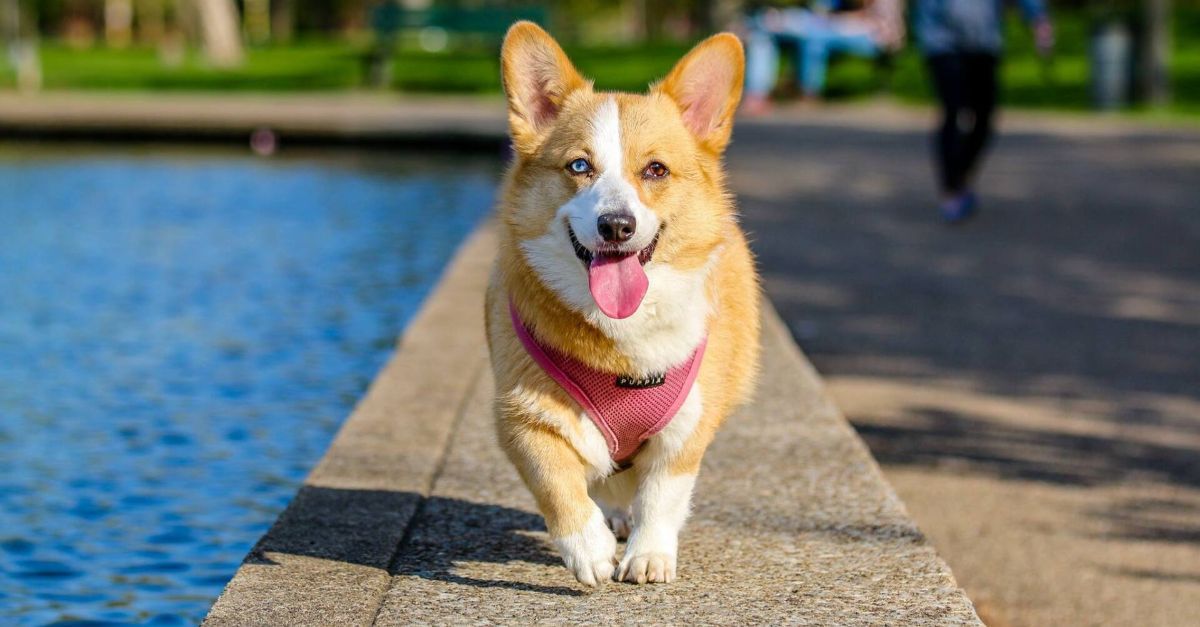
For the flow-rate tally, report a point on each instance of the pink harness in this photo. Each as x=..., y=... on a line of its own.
x=626, y=410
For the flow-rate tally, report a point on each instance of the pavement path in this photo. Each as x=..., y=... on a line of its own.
x=1030, y=382
x=363, y=118
x=415, y=516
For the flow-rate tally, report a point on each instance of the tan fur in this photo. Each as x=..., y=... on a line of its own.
x=536, y=419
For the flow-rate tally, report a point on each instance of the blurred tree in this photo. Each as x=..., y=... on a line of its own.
x=10, y=21
x=283, y=20
x=219, y=31
x=118, y=23
x=709, y=16
x=1149, y=22
x=150, y=16
x=1156, y=46
x=638, y=20
x=257, y=20
x=19, y=25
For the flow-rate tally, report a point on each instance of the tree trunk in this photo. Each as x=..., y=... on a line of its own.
x=219, y=28
x=18, y=33
x=258, y=20
x=710, y=16
x=1156, y=50
x=726, y=14
x=640, y=28
x=151, y=20
x=283, y=20
x=118, y=23
x=10, y=21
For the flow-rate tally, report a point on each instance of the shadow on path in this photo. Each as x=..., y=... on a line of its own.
x=448, y=532
x=1152, y=519
x=366, y=527
x=1078, y=285
x=935, y=436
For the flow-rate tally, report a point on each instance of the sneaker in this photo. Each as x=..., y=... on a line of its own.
x=959, y=209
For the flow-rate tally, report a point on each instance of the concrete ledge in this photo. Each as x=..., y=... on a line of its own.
x=325, y=561
x=362, y=119
x=384, y=119
x=414, y=515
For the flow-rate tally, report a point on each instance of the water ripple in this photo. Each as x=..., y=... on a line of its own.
x=180, y=336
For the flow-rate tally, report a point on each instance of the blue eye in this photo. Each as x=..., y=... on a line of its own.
x=579, y=166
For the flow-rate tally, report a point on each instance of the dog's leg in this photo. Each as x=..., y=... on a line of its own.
x=666, y=473
x=557, y=478
x=660, y=508
x=614, y=494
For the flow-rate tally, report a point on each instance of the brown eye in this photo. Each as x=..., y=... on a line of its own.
x=655, y=170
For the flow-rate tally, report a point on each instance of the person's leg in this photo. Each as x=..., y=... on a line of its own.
x=947, y=73
x=819, y=46
x=859, y=44
x=950, y=78
x=762, y=63
x=813, y=58
x=768, y=30
x=980, y=99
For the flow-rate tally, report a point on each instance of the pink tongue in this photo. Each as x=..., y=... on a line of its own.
x=618, y=284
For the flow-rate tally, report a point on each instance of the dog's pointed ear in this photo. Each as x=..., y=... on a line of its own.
x=707, y=86
x=537, y=77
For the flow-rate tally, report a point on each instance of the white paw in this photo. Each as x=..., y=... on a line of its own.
x=646, y=567
x=590, y=554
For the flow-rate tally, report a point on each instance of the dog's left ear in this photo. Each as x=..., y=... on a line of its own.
x=707, y=86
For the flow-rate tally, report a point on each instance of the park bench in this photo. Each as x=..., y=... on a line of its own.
x=484, y=24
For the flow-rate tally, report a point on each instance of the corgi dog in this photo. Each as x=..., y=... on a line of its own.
x=623, y=311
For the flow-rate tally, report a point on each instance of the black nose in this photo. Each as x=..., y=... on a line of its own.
x=616, y=227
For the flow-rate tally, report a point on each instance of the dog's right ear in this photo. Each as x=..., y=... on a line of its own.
x=537, y=77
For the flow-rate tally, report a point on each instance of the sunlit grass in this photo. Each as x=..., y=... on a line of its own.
x=1027, y=81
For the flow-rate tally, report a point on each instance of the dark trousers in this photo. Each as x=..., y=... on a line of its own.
x=966, y=85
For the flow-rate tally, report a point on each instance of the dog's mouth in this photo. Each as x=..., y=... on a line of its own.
x=616, y=279
x=586, y=255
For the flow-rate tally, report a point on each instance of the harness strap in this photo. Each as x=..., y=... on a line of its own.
x=627, y=410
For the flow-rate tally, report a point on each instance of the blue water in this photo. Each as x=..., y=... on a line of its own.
x=180, y=337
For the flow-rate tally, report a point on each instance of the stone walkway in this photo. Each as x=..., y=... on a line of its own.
x=365, y=118
x=1030, y=382
x=415, y=516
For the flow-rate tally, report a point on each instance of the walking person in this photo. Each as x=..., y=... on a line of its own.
x=962, y=41
x=816, y=32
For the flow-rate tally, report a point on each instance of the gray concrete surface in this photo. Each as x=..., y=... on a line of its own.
x=415, y=516
x=372, y=117
x=1030, y=382
x=360, y=118
x=326, y=560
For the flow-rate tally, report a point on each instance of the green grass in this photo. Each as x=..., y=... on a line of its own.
x=612, y=68
x=317, y=66
x=1027, y=80
x=308, y=66
x=337, y=65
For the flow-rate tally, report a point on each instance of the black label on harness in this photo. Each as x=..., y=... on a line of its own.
x=642, y=383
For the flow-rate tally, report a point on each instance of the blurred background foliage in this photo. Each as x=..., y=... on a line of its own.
x=450, y=46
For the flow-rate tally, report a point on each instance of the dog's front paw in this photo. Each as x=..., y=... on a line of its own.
x=590, y=554
x=647, y=567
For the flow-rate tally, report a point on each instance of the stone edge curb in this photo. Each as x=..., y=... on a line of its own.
x=380, y=466
x=370, y=119
x=326, y=559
